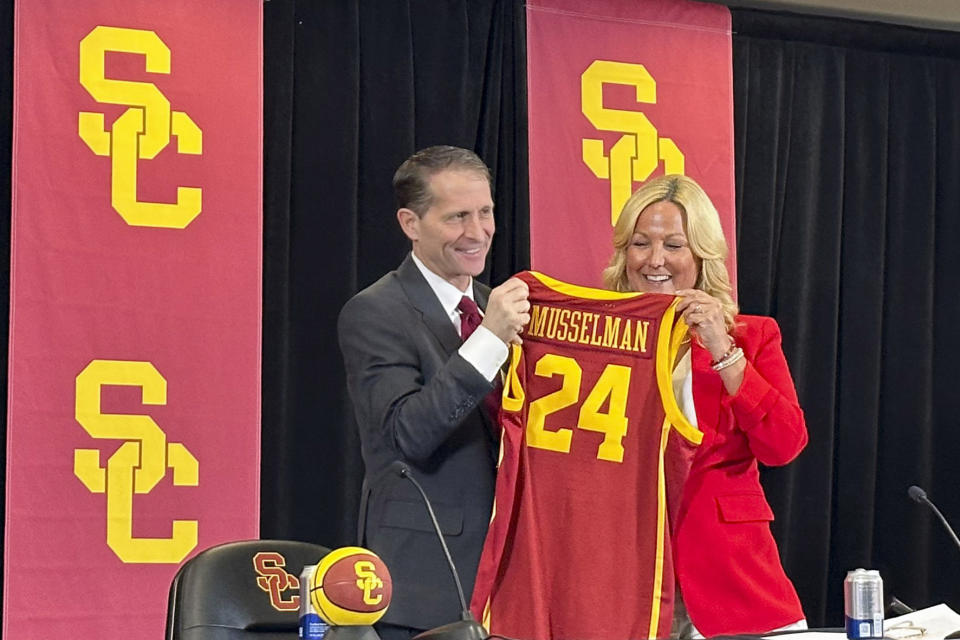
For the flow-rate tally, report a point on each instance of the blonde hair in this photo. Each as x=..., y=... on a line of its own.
x=704, y=234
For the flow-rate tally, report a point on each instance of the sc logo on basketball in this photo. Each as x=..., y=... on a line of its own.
x=368, y=582
x=142, y=131
x=640, y=149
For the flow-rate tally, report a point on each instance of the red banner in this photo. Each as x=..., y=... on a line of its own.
x=134, y=367
x=620, y=91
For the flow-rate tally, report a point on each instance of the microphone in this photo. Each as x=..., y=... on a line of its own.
x=467, y=628
x=919, y=495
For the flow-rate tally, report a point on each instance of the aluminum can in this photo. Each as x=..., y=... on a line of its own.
x=863, y=604
x=312, y=627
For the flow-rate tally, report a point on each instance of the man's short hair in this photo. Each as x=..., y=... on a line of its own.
x=411, y=182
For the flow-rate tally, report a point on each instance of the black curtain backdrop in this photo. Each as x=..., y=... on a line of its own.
x=847, y=139
x=847, y=163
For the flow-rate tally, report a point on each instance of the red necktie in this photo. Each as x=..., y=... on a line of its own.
x=470, y=317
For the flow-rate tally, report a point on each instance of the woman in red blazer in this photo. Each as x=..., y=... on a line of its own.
x=734, y=385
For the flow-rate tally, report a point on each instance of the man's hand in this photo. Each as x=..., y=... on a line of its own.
x=508, y=310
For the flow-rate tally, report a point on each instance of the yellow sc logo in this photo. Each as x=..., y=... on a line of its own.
x=137, y=465
x=368, y=581
x=142, y=131
x=639, y=150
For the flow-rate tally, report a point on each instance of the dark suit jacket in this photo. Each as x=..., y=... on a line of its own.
x=416, y=400
x=725, y=557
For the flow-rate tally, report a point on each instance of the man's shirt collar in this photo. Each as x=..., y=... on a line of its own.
x=448, y=295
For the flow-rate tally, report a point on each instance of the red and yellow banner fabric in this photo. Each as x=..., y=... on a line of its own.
x=134, y=367
x=620, y=91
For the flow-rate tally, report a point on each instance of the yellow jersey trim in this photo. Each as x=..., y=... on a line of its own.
x=583, y=292
x=513, y=393
x=661, y=533
x=669, y=340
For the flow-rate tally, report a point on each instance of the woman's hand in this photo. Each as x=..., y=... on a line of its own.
x=704, y=315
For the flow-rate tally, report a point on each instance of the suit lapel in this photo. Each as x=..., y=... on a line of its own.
x=481, y=293
x=425, y=301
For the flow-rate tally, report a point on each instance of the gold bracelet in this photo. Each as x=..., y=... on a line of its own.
x=729, y=359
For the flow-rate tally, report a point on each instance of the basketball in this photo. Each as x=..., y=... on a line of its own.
x=351, y=587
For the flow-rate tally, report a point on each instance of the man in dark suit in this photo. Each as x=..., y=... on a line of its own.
x=418, y=387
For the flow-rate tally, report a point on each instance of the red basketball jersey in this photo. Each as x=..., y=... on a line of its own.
x=579, y=542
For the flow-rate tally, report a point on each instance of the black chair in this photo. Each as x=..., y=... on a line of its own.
x=247, y=590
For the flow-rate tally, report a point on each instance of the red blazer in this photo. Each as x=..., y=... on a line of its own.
x=725, y=557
